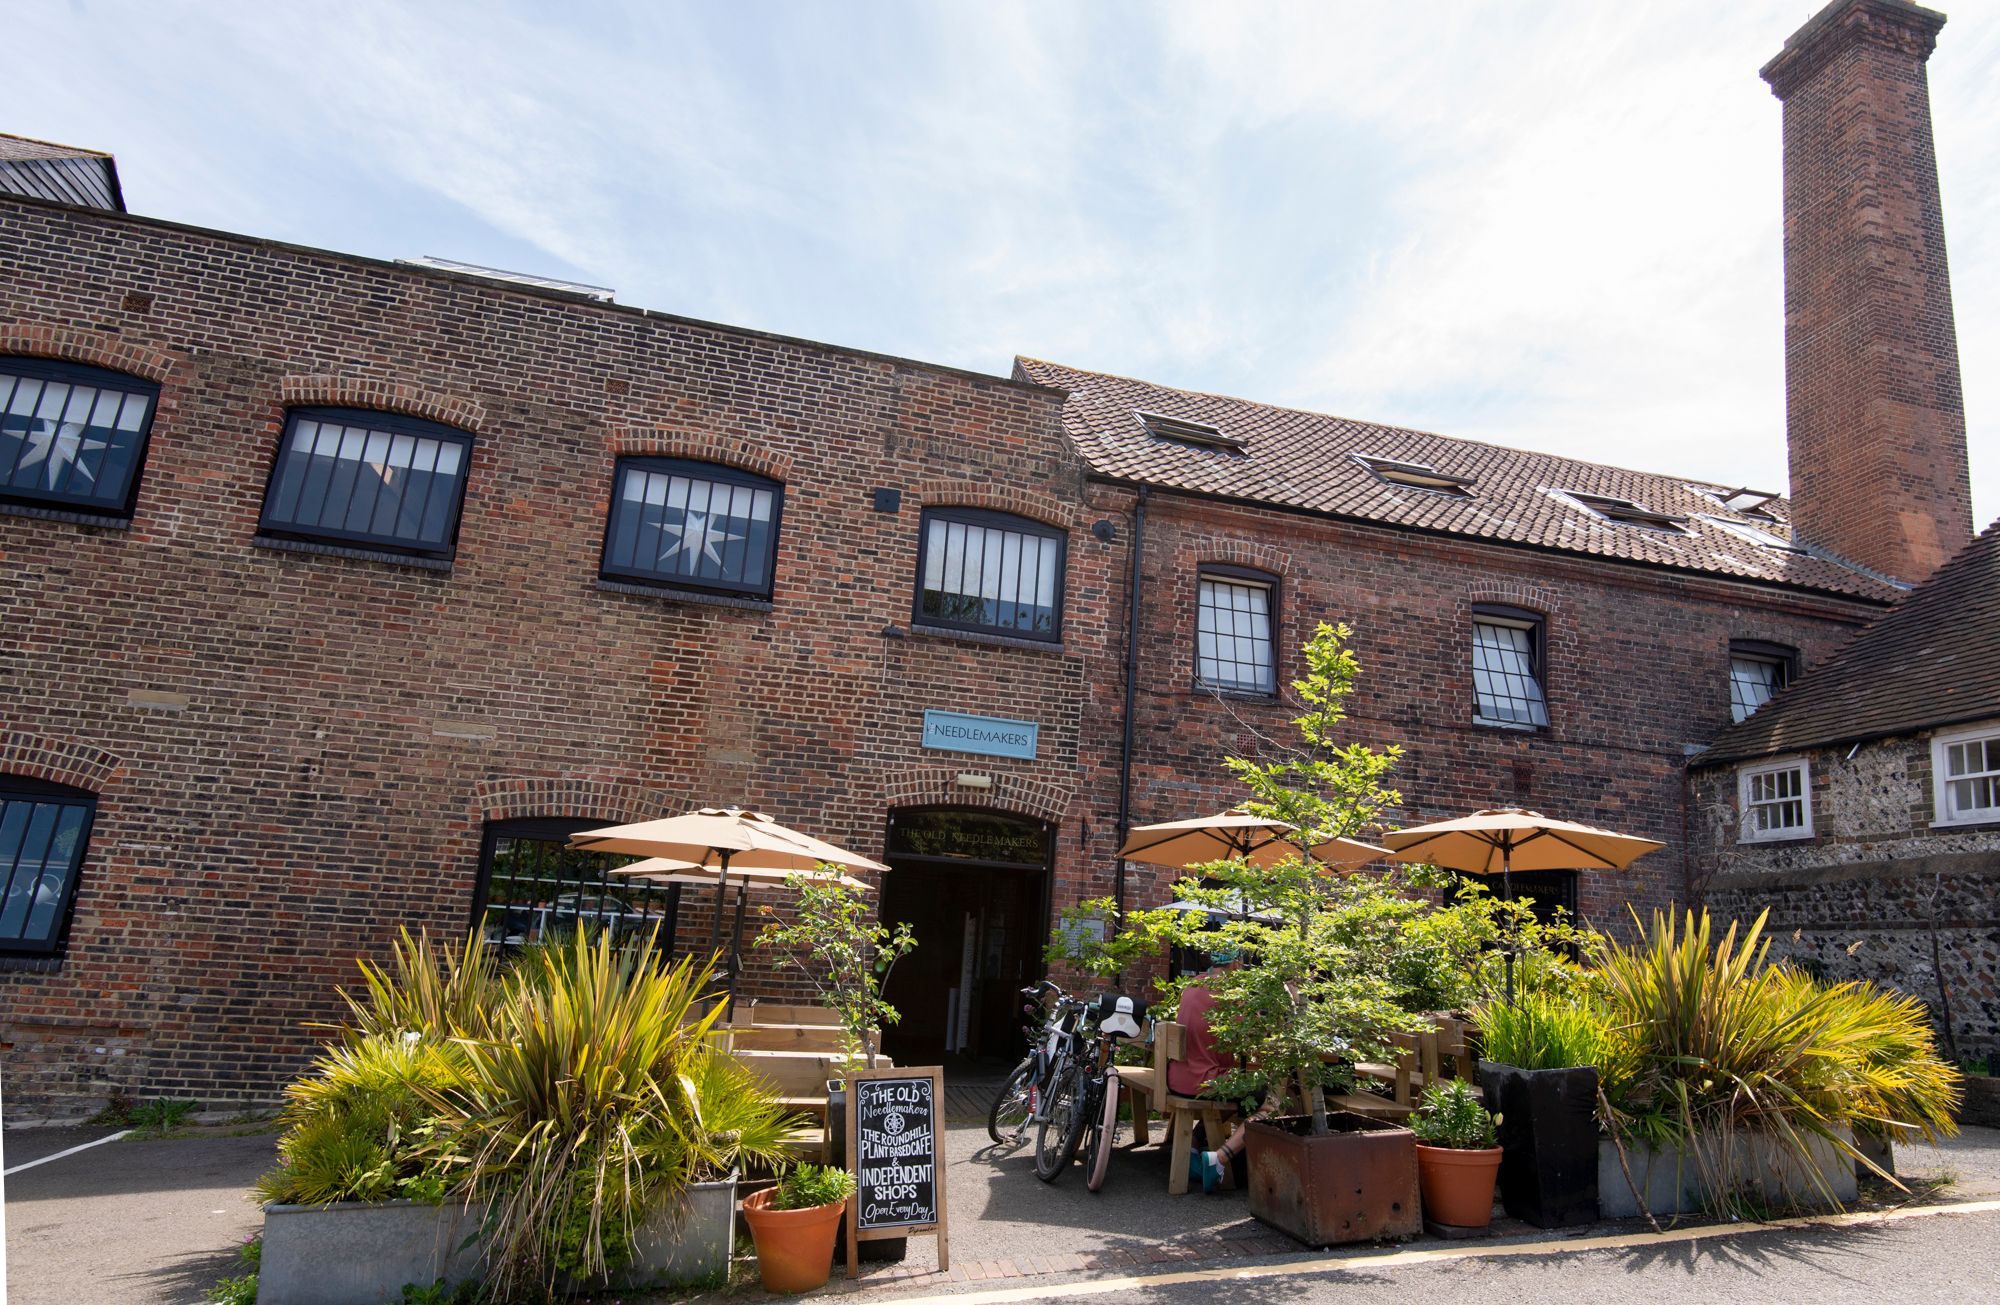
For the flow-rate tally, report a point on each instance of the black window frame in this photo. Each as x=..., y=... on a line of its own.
x=1783, y=656
x=395, y=423
x=990, y=520
x=49, y=369
x=559, y=829
x=1239, y=575
x=23, y=788
x=719, y=472
x=1538, y=659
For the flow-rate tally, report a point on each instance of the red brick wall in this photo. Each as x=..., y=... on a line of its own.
x=318, y=740
x=1638, y=665
x=1876, y=414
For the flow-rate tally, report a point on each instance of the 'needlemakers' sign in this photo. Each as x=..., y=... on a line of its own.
x=987, y=736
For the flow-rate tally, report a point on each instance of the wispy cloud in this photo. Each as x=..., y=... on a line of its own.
x=1555, y=226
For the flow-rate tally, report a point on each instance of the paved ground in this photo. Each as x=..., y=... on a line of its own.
x=157, y=1221
x=154, y=1221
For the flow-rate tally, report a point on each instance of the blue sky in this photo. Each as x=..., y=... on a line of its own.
x=1553, y=226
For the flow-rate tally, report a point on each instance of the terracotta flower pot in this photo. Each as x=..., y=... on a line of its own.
x=1458, y=1185
x=794, y=1247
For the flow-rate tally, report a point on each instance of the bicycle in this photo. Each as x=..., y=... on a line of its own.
x=1020, y=1097
x=1083, y=1102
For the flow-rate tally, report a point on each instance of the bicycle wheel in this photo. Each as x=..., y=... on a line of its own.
x=1099, y=1155
x=1011, y=1104
x=1061, y=1127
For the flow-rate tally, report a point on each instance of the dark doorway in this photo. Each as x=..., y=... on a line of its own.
x=974, y=888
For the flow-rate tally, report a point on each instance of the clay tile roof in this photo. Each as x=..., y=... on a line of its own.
x=1308, y=460
x=1932, y=660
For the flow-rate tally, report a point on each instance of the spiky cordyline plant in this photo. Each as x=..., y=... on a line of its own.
x=594, y=1094
x=1709, y=1044
x=427, y=989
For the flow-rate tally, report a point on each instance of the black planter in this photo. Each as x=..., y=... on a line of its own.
x=1548, y=1135
x=876, y=1250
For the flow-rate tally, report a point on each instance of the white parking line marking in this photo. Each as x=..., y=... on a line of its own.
x=60, y=1154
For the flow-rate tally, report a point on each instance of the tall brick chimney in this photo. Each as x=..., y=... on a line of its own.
x=1875, y=415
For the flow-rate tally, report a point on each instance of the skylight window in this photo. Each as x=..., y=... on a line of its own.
x=1195, y=434
x=1415, y=475
x=1744, y=530
x=1749, y=502
x=1625, y=512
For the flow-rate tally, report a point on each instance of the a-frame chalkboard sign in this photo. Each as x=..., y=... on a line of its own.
x=895, y=1146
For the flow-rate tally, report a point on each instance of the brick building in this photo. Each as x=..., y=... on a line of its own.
x=340, y=592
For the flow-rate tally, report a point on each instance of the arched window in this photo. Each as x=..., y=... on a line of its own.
x=534, y=887
x=44, y=829
x=369, y=480
x=693, y=525
x=72, y=437
x=990, y=572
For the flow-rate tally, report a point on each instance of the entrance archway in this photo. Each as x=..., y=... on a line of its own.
x=973, y=885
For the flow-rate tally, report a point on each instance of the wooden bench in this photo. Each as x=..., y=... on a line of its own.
x=797, y=1080
x=1439, y=1052
x=1146, y=1090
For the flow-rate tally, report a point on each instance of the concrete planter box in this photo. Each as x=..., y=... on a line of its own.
x=361, y=1253
x=358, y=1251
x=1671, y=1182
x=1982, y=1101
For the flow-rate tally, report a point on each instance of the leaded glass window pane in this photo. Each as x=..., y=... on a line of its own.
x=1506, y=682
x=987, y=571
x=369, y=478
x=693, y=525
x=1752, y=681
x=1972, y=779
x=1233, y=636
x=72, y=436
x=42, y=838
x=537, y=889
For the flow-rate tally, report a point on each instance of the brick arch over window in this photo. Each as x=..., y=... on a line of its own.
x=1512, y=593
x=699, y=446
x=387, y=396
x=76, y=764
x=1236, y=552
x=936, y=786
x=86, y=347
x=575, y=797
x=1045, y=508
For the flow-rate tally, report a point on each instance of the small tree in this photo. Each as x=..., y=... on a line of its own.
x=844, y=951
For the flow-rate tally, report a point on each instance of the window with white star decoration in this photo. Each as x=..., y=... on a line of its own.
x=693, y=525
x=72, y=436
x=368, y=479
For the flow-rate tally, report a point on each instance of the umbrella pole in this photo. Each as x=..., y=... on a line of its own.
x=721, y=897
x=1507, y=895
x=735, y=951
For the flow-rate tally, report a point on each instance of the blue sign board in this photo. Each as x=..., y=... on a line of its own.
x=988, y=736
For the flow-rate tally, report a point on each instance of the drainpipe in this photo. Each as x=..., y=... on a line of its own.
x=1131, y=692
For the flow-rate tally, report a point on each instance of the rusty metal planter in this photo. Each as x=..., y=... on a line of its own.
x=1358, y=1183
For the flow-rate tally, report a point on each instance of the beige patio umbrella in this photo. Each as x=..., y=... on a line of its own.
x=664, y=870
x=1505, y=839
x=724, y=838
x=1236, y=834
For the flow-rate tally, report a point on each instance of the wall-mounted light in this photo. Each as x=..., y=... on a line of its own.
x=969, y=780
x=1105, y=531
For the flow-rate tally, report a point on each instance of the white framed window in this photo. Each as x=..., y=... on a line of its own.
x=1965, y=776
x=1775, y=801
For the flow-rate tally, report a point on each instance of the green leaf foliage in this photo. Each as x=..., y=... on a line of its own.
x=1540, y=1030
x=836, y=943
x=1453, y=1115
x=805, y=1186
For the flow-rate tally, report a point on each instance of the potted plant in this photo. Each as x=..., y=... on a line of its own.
x=794, y=1225
x=1316, y=993
x=1539, y=1070
x=1458, y=1158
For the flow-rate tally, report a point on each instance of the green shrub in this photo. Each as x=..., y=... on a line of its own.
x=159, y=1118
x=595, y=1095
x=357, y=1127
x=1453, y=1115
x=1708, y=1042
x=806, y=1186
x=1539, y=1031
x=241, y=1289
